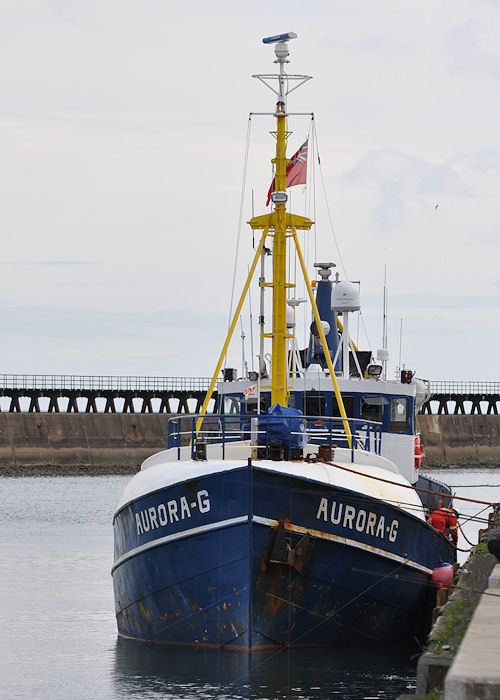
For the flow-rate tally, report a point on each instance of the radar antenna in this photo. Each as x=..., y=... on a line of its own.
x=282, y=53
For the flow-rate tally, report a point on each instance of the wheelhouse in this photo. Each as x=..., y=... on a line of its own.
x=395, y=412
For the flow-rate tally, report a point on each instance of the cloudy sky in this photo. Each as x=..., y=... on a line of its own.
x=122, y=140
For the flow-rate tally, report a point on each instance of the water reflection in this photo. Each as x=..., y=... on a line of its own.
x=152, y=670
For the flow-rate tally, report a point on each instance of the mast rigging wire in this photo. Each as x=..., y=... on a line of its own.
x=332, y=228
x=240, y=219
x=315, y=136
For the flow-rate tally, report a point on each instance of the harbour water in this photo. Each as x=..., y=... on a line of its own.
x=59, y=635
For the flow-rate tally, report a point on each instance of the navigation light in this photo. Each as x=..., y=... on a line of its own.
x=406, y=376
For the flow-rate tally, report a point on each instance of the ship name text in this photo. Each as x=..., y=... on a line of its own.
x=171, y=512
x=357, y=519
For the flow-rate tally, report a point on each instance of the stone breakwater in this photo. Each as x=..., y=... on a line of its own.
x=85, y=441
x=460, y=440
x=121, y=441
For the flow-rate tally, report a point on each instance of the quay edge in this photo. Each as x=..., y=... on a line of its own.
x=461, y=657
x=475, y=672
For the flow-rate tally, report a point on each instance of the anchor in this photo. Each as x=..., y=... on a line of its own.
x=283, y=552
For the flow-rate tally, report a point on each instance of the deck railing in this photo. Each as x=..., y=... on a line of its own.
x=271, y=434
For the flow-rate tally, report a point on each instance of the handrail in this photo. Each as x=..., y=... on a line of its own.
x=223, y=428
x=102, y=383
x=463, y=387
x=142, y=383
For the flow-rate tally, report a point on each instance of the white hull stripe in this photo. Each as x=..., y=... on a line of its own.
x=345, y=540
x=270, y=523
x=177, y=536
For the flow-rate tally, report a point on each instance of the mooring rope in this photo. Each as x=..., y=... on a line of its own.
x=465, y=536
x=409, y=486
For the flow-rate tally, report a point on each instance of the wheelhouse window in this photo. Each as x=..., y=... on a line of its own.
x=231, y=405
x=314, y=404
x=252, y=404
x=372, y=408
x=348, y=402
x=398, y=415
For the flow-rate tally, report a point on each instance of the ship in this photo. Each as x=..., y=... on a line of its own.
x=294, y=514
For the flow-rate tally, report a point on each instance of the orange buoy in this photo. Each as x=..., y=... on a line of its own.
x=442, y=576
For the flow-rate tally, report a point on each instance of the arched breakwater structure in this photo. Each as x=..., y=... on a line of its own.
x=34, y=393
x=116, y=422
x=463, y=398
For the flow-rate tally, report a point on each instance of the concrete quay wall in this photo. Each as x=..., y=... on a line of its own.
x=459, y=440
x=463, y=646
x=475, y=672
x=124, y=440
x=100, y=440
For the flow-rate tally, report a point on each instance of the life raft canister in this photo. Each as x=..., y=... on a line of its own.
x=419, y=452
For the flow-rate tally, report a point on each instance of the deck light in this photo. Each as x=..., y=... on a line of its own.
x=279, y=197
x=314, y=328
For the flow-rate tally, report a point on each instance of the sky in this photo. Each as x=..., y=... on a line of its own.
x=123, y=126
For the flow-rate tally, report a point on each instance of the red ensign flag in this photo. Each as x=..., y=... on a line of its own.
x=296, y=170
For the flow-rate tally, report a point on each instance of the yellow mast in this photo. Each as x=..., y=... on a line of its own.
x=279, y=369
x=281, y=225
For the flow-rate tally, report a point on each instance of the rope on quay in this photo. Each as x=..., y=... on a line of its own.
x=465, y=536
x=460, y=549
x=474, y=518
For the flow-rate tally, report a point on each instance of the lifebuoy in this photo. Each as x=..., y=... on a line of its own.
x=419, y=452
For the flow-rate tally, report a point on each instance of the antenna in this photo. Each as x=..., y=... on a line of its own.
x=281, y=51
x=383, y=352
x=279, y=37
x=244, y=368
x=251, y=319
x=400, y=341
x=384, y=325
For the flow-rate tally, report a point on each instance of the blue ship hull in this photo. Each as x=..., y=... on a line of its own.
x=226, y=560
